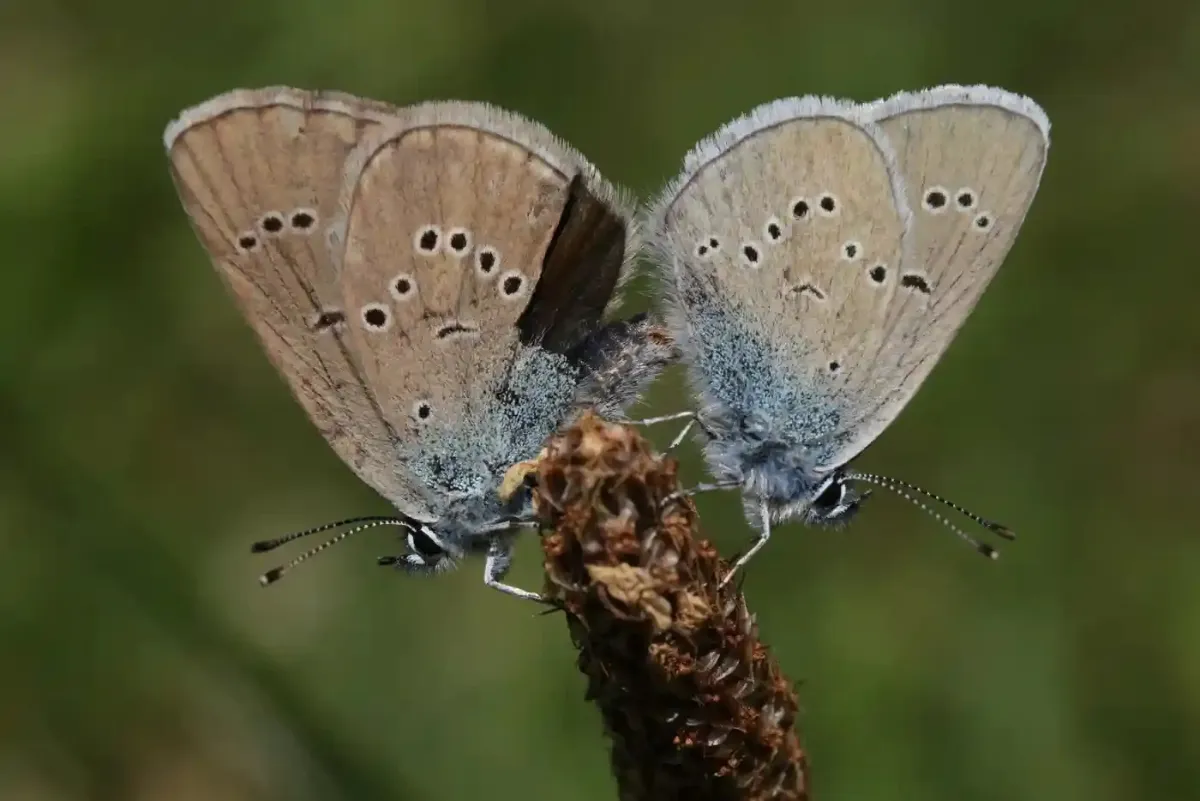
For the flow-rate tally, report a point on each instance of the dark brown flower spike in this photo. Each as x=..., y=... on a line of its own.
x=695, y=705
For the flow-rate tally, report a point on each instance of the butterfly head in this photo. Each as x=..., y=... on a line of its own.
x=834, y=501
x=426, y=549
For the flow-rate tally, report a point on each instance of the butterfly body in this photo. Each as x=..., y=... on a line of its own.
x=463, y=465
x=753, y=423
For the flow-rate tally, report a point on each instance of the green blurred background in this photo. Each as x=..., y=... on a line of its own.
x=145, y=441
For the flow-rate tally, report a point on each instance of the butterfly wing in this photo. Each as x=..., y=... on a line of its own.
x=971, y=159
x=259, y=174
x=772, y=232
x=478, y=251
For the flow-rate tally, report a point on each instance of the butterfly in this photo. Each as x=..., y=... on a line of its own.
x=818, y=256
x=432, y=282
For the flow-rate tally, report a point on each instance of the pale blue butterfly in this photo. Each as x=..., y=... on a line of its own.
x=432, y=283
x=819, y=256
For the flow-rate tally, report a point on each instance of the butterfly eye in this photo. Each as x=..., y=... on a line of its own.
x=830, y=497
x=423, y=545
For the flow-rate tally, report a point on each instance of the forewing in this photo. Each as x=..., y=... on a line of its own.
x=774, y=232
x=259, y=173
x=971, y=159
x=478, y=251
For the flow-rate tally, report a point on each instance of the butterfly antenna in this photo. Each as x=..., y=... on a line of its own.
x=274, y=574
x=902, y=489
x=262, y=546
x=992, y=526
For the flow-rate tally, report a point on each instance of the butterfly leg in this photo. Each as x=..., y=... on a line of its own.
x=700, y=489
x=691, y=416
x=665, y=418
x=682, y=433
x=508, y=525
x=499, y=560
x=764, y=534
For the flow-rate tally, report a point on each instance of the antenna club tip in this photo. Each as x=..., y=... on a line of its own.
x=270, y=577
x=262, y=546
x=1003, y=531
x=989, y=552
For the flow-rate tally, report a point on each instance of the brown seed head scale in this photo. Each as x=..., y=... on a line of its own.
x=695, y=705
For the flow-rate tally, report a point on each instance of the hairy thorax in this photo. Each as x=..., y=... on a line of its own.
x=777, y=473
x=770, y=469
